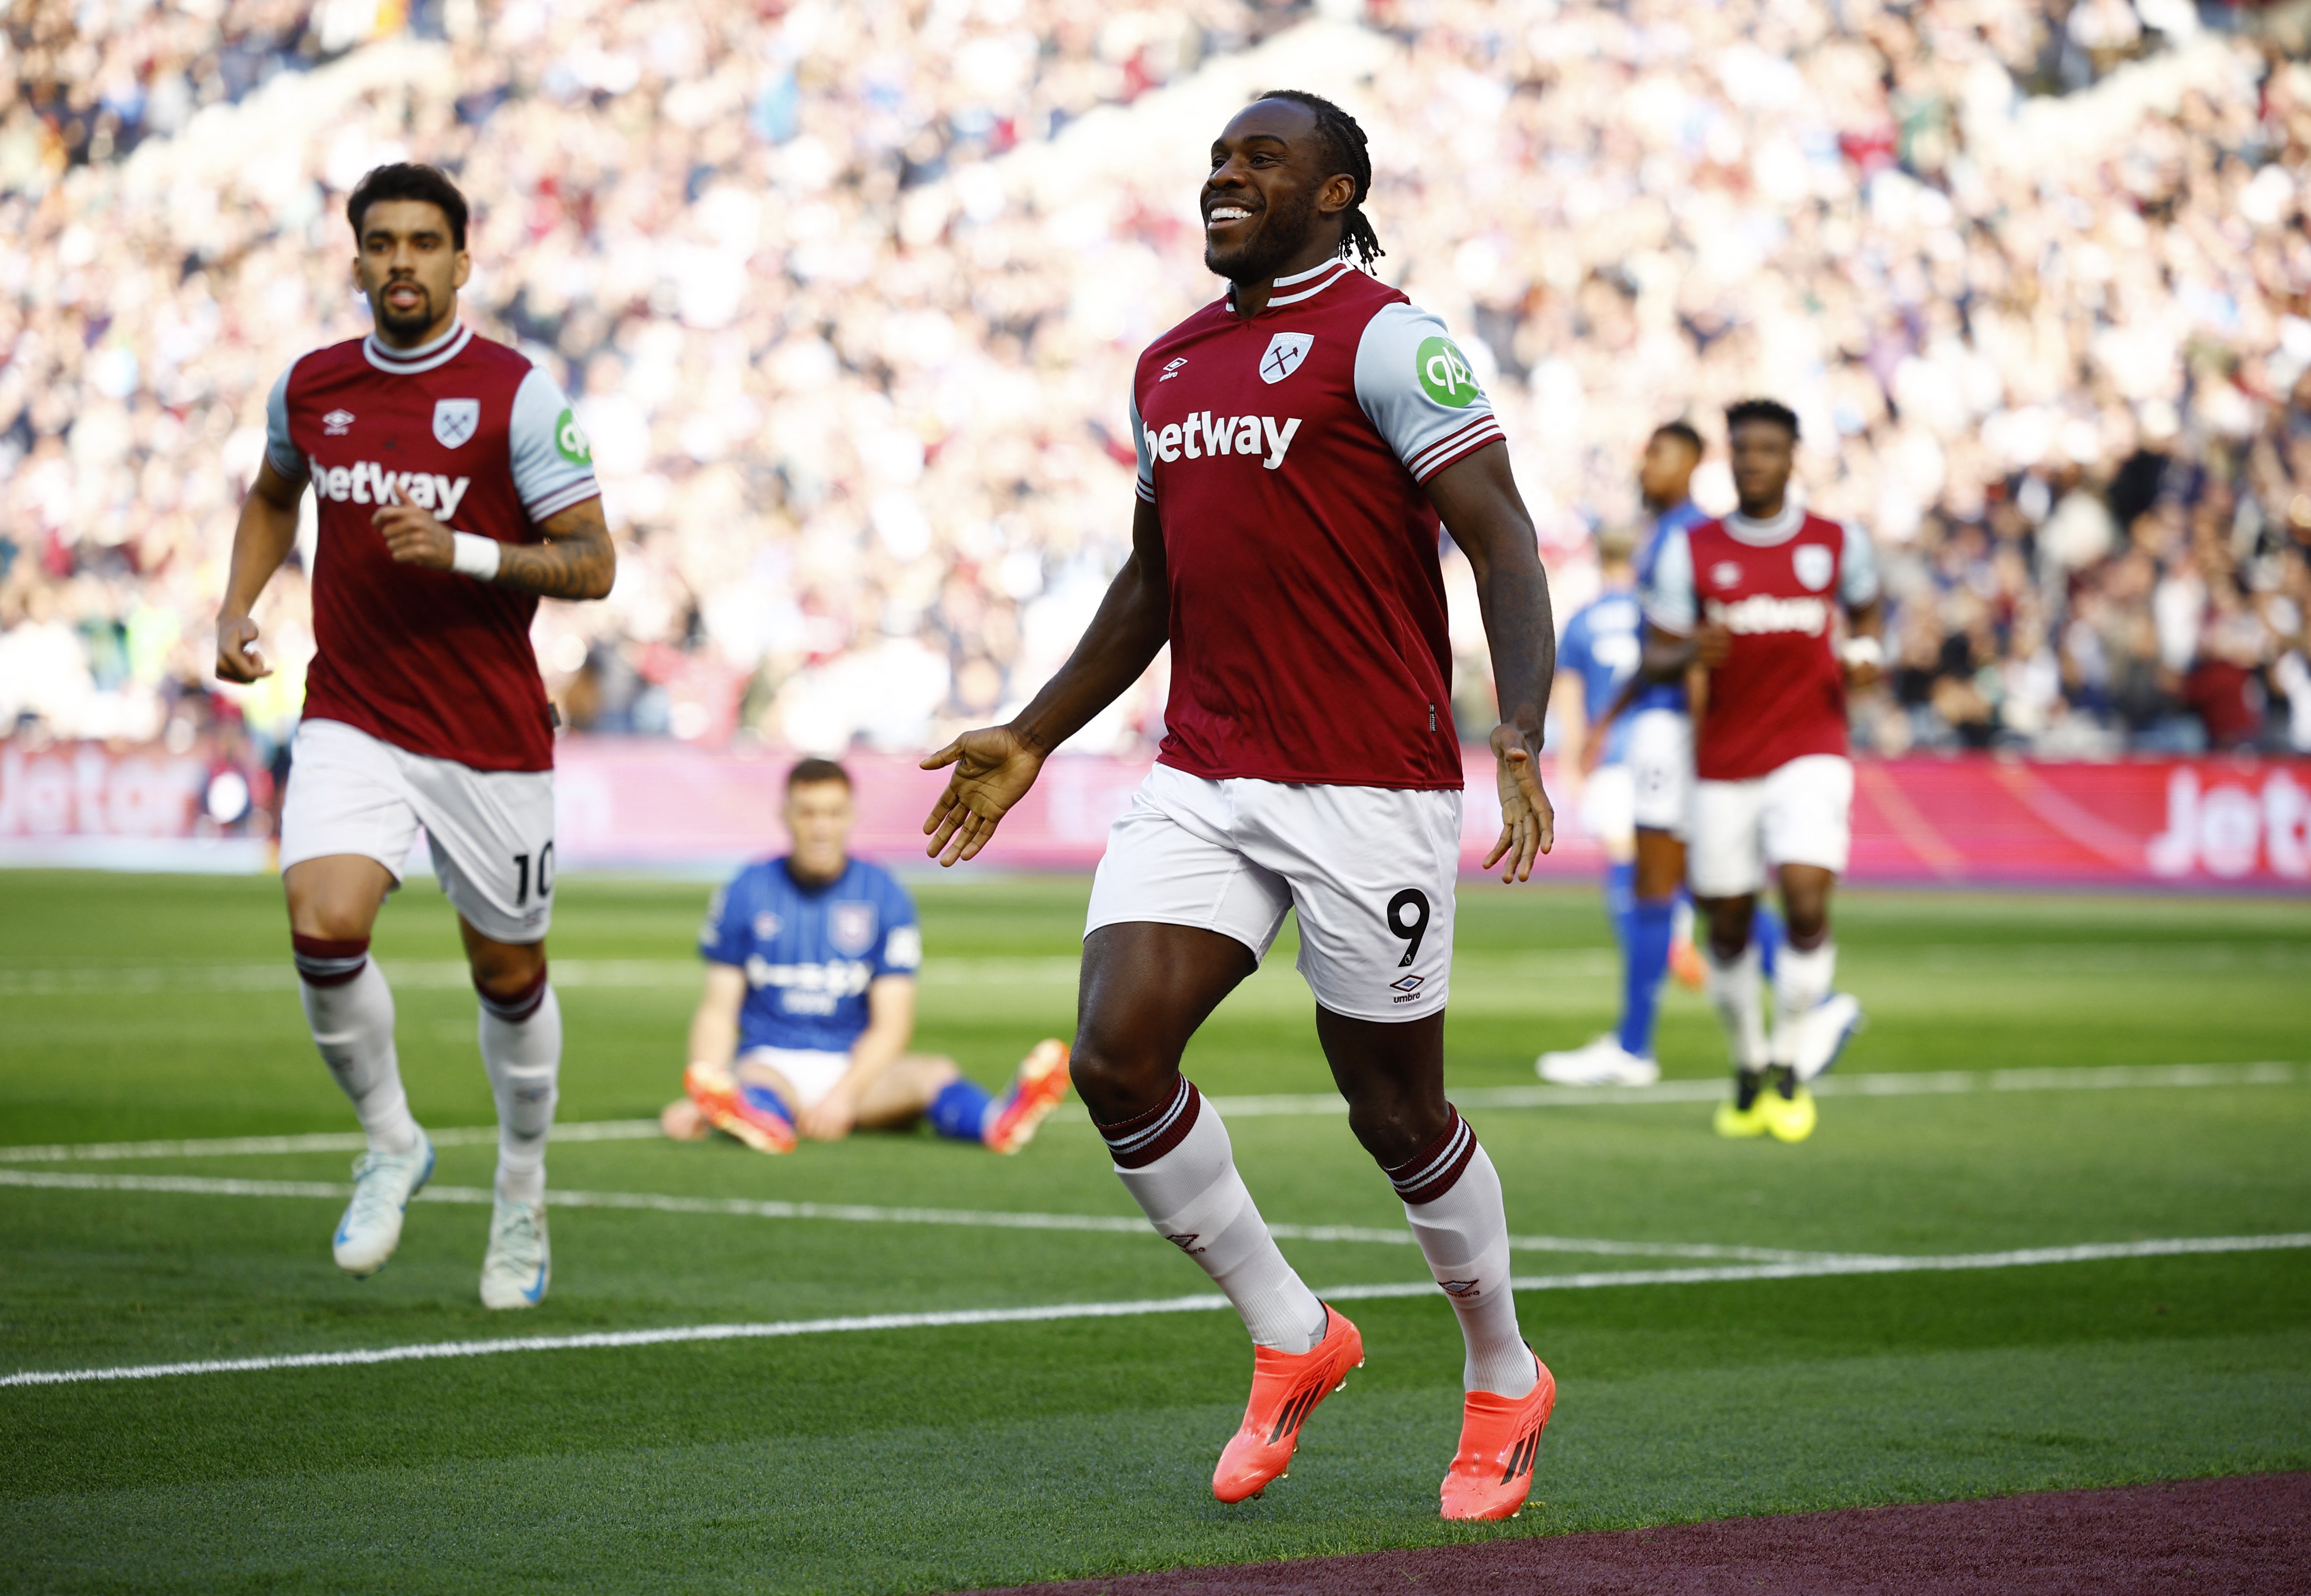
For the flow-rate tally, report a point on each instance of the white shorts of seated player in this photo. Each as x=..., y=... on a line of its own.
x=1659, y=760
x=1609, y=811
x=1370, y=870
x=491, y=832
x=1797, y=814
x=810, y=1074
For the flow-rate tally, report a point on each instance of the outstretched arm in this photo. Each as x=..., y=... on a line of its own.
x=1479, y=500
x=576, y=560
x=994, y=766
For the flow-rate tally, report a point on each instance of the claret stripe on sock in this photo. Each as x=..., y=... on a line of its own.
x=1140, y=1140
x=518, y=1008
x=324, y=962
x=1433, y=1170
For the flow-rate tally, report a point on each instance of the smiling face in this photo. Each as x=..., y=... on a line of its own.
x=1270, y=207
x=411, y=269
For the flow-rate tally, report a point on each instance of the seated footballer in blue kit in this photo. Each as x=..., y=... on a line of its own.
x=810, y=1003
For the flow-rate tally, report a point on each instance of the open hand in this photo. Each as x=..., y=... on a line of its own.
x=1528, y=824
x=414, y=537
x=238, y=657
x=994, y=767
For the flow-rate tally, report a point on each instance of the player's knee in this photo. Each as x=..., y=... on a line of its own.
x=1115, y=1084
x=1394, y=1129
x=509, y=973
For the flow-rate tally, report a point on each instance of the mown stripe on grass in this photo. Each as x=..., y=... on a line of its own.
x=1935, y=1083
x=2020, y=1258
x=858, y=1212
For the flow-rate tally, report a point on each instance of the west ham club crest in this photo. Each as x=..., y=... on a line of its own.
x=455, y=421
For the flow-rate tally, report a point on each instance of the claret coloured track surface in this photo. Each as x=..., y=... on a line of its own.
x=2250, y=1534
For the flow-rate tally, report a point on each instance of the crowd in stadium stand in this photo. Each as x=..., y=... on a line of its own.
x=850, y=296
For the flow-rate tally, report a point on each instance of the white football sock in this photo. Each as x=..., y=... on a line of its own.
x=1178, y=1165
x=351, y=1022
x=1452, y=1198
x=524, y=1056
x=1800, y=982
x=1733, y=988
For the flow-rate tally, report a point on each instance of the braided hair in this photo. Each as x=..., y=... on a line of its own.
x=1345, y=150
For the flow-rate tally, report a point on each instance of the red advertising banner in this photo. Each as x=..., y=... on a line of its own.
x=648, y=802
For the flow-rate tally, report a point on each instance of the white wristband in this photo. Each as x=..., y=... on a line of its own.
x=1862, y=650
x=473, y=555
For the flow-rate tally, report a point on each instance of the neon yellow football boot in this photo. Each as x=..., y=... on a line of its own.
x=1745, y=1115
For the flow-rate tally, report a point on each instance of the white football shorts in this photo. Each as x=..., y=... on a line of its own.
x=1609, y=804
x=490, y=832
x=1370, y=869
x=1797, y=814
x=1659, y=757
x=812, y=1073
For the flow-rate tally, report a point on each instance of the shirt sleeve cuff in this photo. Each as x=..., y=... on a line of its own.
x=562, y=499
x=1455, y=446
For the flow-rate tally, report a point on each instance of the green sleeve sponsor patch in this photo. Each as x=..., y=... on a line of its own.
x=1444, y=373
x=570, y=438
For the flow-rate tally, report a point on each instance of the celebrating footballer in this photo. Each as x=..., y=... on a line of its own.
x=453, y=488
x=1299, y=440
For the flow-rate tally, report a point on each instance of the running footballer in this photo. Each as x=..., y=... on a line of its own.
x=1759, y=600
x=453, y=488
x=1299, y=440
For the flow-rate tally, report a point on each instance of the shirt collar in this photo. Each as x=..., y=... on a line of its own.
x=425, y=357
x=1780, y=528
x=1302, y=286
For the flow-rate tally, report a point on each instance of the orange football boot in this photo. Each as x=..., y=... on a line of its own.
x=1285, y=1387
x=1035, y=1091
x=715, y=1091
x=1685, y=964
x=1492, y=1473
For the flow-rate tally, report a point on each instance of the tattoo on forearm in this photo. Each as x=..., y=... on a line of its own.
x=576, y=560
x=566, y=567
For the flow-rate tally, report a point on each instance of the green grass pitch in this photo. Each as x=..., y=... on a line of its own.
x=937, y=1459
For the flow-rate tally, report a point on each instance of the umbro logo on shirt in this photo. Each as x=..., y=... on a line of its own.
x=1172, y=370
x=1201, y=434
x=338, y=423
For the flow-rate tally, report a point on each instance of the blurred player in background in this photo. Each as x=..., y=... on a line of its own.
x=810, y=1003
x=1647, y=728
x=453, y=488
x=1599, y=654
x=1299, y=440
x=1757, y=600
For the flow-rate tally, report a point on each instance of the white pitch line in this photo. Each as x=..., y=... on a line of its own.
x=1906, y=1083
x=1885, y=1084
x=857, y=1213
x=2022, y=1257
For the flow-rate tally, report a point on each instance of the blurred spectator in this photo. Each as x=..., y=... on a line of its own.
x=850, y=296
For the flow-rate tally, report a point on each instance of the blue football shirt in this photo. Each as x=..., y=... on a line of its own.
x=810, y=953
x=1601, y=645
x=1679, y=517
